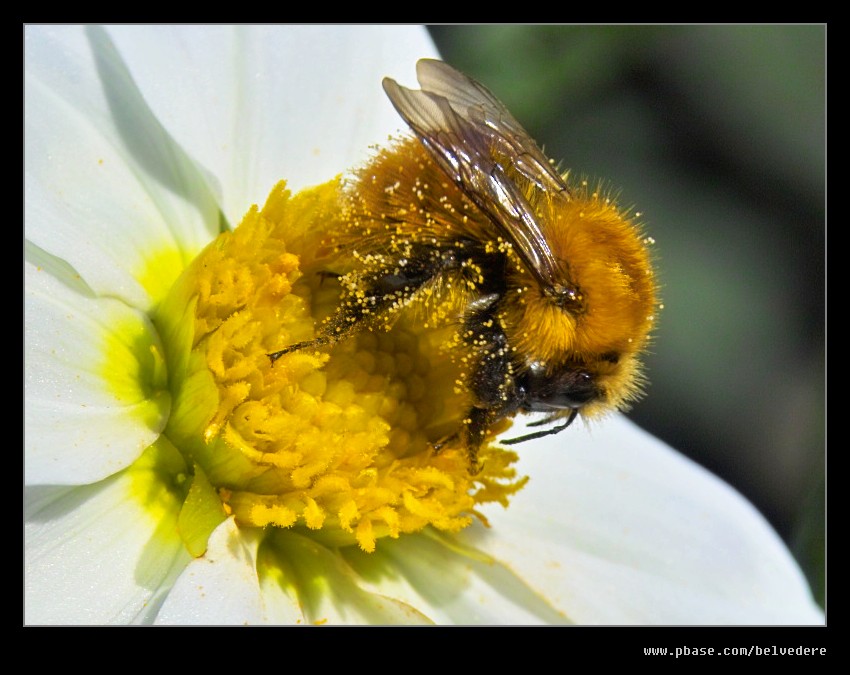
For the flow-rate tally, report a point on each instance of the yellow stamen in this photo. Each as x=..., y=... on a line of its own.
x=337, y=440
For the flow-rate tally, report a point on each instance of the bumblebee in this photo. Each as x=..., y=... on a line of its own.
x=550, y=285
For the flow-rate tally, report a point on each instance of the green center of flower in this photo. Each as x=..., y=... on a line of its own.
x=340, y=441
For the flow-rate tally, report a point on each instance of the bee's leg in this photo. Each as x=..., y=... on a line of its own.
x=318, y=342
x=372, y=295
x=492, y=381
x=444, y=441
x=324, y=274
x=477, y=422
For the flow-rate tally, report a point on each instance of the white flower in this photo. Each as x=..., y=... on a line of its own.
x=142, y=144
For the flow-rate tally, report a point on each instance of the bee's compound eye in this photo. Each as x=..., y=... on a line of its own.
x=579, y=389
x=567, y=389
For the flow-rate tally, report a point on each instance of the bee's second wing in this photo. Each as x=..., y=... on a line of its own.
x=466, y=146
x=477, y=104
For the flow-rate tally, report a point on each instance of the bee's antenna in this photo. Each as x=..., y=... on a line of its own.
x=545, y=432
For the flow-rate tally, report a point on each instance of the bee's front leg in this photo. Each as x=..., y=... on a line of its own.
x=492, y=381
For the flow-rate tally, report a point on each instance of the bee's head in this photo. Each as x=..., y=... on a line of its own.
x=593, y=386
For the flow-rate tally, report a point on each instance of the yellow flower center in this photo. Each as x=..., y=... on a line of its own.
x=353, y=442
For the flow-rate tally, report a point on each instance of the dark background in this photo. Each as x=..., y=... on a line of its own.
x=717, y=135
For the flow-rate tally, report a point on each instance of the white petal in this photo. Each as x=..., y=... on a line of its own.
x=89, y=410
x=256, y=104
x=95, y=554
x=106, y=188
x=449, y=585
x=220, y=587
x=616, y=528
x=328, y=590
x=280, y=578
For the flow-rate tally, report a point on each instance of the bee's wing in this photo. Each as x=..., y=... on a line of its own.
x=477, y=104
x=466, y=128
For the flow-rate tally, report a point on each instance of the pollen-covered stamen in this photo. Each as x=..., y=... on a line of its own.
x=336, y=437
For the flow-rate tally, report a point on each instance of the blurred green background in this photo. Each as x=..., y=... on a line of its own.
x=716, y=134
